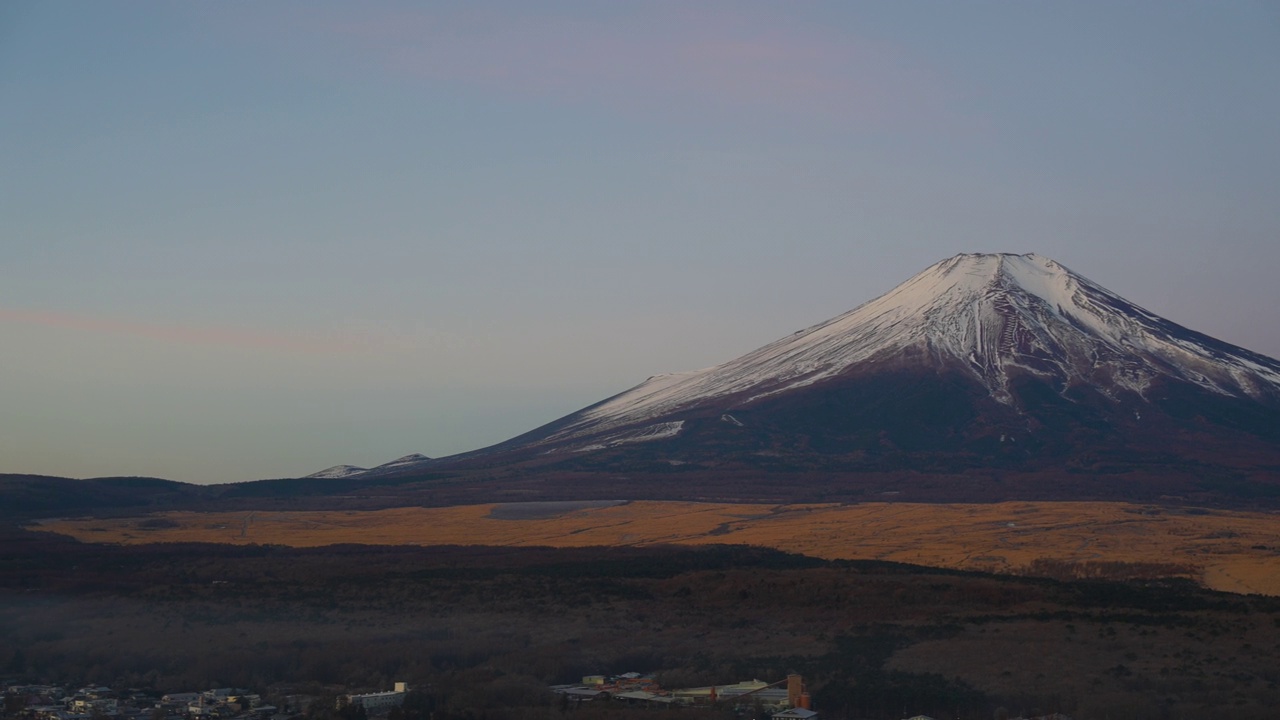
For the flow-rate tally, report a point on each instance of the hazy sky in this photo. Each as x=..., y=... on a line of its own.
x=243, y=240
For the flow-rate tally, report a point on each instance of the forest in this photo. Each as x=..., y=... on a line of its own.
x=483, y=631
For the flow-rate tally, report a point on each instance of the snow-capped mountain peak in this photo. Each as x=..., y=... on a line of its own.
x=400, y=464
x=993, y=313
x=351, y=471
x=338, y=471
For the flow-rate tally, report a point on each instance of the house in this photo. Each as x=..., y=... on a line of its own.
x=246, y=701
x=200, y=709
x=643, y=697
x=581, y=694
x=105, y=706
x=795, y=714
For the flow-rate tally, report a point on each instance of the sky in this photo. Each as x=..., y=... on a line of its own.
x=242, y=240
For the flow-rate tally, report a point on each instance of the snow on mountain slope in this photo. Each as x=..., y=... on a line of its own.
x=338, y=471
x=397, y=465
x=995, y=313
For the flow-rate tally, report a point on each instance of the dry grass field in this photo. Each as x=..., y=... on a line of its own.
x=1231, y=551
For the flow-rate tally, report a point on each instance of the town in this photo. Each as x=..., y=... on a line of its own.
x=786, y=699
x=55, y=702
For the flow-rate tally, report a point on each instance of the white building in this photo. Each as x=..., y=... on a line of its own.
x=374, y=703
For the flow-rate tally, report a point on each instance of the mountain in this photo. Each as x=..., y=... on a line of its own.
x=30, y=496
x=991, y=317
x=984, y=377
x=395, y=467
x=982, y=365
x=414, y=460
x=338, y=471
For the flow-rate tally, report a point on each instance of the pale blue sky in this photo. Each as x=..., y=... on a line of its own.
x=243, y=240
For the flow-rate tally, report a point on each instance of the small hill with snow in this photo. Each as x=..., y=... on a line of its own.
x=338, y=471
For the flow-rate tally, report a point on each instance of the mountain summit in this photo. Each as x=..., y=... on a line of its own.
x=991, y=316
x=982, y=365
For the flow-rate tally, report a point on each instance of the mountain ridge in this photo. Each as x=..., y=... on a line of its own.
x=985, y=377
x=798, y=360
x=997, y=324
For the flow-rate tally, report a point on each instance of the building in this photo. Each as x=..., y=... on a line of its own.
x=795, y=714
x=578, y=693
x=88, y=706
x=380, y=702
x=643, y=697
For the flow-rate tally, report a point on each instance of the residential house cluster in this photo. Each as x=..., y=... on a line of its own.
x=53, y=702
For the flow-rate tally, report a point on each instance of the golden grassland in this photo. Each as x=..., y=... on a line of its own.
x=1225, y=550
